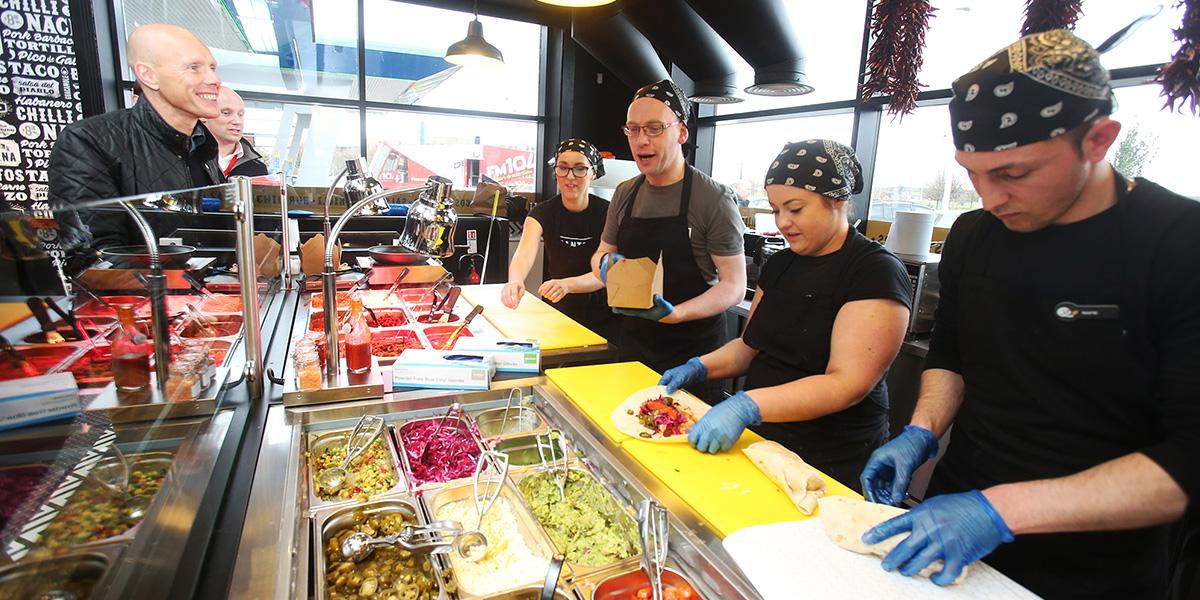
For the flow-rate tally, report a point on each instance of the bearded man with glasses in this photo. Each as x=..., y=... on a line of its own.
x=674, y=211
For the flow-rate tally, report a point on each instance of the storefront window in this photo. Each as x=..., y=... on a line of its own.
x=405, y=44
x=1156, y=144
x=462, y=149
x=315, y=140
x=915, y=168
x=832, y=49
x=743, y=151
x=301, y=47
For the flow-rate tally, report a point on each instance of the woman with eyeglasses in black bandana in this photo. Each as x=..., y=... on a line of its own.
x=570, y=224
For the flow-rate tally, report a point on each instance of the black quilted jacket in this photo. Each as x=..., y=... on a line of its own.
x=121, y=153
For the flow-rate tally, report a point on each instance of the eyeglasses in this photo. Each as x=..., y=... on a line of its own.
x=650, y=129
x=579, y=170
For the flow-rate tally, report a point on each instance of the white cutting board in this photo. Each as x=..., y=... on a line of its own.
x=784, y=559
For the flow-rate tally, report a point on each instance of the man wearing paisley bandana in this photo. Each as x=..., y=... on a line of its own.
x=674, y=211
x=1066, y=349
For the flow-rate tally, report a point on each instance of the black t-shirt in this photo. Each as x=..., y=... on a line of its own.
x=571, y=237
x=792, y=330
x=860, y=270
x=1048, y=394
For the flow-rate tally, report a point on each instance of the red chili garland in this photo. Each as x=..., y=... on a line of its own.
x=1180, y=78
x=898, y=30
x=1044, y=15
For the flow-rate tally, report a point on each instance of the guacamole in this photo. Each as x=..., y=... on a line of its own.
x=589, y=527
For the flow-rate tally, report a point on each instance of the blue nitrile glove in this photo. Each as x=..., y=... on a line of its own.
x=721, y=426
x=692, y=371
x=888, y=472
x=661, y=309
x=958, y=529
x=607, y=261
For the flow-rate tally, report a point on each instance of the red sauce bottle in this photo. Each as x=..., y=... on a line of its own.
x=358, y=340
x=131, y=350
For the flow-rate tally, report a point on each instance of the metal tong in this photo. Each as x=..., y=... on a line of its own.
x=472, y=545
x=515, y=392
x=370, y=427
x=655, y=534
x=552, y=449
x=435, y=538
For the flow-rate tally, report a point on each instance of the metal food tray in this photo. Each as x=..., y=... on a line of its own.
x=623, y=582
x=317, y=442
x=527, y=527
x=466, y=424
x=525, y=415
x=38, y=549
x=580, y=571
x=519, y=444
x=328, y=522
x=58, y=570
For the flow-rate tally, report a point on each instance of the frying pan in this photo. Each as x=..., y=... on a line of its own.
x=395, y=255
x=136, y=257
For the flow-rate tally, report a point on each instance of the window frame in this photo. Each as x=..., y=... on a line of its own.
x=361, y=104
x=868, y=117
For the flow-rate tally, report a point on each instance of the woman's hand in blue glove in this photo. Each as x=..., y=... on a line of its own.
x=692, y=371
x=723, y=424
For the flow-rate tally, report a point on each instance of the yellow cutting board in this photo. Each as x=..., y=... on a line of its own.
x=531, y=319
x=12, y=313
x=726, y=489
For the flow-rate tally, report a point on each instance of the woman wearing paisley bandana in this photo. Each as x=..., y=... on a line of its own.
x=570, y=223
x=827, y=320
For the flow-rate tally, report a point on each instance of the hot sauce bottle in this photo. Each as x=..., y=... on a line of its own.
x=131, y=350
x=358, y=340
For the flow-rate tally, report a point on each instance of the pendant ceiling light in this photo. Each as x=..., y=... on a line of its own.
x=577, y=3
x=473, y=50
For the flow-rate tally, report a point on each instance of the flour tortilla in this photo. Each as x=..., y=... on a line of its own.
x=845, y=520
x=628, y=423
x=787, y=470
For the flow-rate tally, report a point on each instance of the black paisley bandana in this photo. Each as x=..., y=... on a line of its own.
x=668, y=93
x=822, y=166
x=583, y=147
x=1039, y=88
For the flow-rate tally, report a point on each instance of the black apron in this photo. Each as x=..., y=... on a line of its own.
x=838, y=444
x=1002, y=436
x=659, y=345
x=565, y=260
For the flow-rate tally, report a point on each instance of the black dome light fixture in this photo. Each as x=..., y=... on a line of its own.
x=473, y=50
x=577, y=3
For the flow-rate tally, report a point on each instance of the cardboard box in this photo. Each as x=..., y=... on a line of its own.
x=32, y=400
x=443, y=369
x=632, y=283
x=509, y=355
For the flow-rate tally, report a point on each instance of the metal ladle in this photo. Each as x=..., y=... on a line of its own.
x=472, y=545
x=333, y=478
x=434, y=538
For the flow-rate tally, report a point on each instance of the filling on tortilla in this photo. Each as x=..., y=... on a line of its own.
x=663, y=417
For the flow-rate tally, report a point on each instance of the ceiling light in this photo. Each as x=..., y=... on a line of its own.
x=577, y=3
x=473, y=50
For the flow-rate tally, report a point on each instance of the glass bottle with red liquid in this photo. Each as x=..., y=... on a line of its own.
x=131, y=350
x=358, y=340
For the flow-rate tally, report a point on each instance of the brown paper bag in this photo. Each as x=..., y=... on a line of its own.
x=266, y=256
x=312, y=255
x=632, y=283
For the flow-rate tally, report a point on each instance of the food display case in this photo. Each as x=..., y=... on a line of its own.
x=127, y=389
x=296, y=553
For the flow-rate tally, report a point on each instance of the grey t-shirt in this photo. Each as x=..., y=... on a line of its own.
x=716, y=227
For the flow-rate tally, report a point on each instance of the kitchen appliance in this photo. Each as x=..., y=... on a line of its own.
x=429, y=228
x=923, y=276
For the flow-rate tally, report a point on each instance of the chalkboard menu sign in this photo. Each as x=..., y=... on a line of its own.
x=39, y=95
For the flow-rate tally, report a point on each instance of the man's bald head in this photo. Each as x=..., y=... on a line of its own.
x=177, y=73
x=227, y=127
